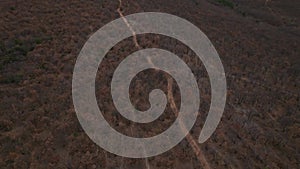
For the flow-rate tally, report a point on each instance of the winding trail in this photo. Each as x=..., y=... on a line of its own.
x=191, y=140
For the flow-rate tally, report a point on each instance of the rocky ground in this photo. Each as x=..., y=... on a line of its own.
x=258, y=43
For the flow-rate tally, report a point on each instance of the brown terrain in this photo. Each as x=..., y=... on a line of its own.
x=258, y=43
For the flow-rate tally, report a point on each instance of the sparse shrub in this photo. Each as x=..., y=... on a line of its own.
x=12, y=79
x=19, y=50
x=38, y=40
x=227, y=3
